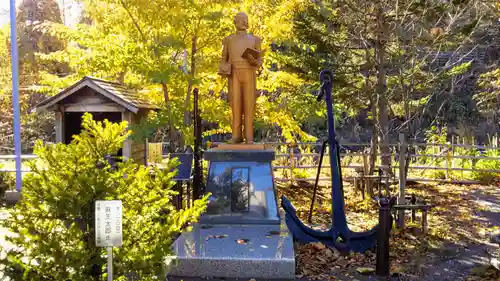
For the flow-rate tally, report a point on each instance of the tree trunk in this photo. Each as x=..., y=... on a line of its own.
x=166, y=97
x=171, y=128
x=121, y=77
x=373, y=107
x=192, y=72
x=383, y=118
x=374, y=139
x=408, y=93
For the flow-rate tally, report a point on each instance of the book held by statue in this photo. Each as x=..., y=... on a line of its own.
x=249, y=51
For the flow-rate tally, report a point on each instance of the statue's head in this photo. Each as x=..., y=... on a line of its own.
x=241, y=21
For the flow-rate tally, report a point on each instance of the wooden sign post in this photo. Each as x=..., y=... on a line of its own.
x=108, y=228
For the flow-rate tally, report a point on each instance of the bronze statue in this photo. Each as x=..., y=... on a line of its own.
x=241, y=58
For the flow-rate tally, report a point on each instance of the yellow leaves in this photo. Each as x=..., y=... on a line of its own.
x=318, y=246
x=146, y=47
x=102, y=137
x=280, y=80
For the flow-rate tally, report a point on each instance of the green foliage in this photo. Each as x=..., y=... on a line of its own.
x=164, y=55
x=459, y=69
x=347, y=35
x=54, y=220
x=167, y=54
x=488, y=164
x=487, y=98
x=5, y=183
x=457, y=156
x=34, y=38
x=434, y=137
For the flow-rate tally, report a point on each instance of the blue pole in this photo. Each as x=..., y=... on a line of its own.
x=15, y=93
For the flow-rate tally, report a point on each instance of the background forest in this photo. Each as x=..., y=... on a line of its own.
x=401, y=66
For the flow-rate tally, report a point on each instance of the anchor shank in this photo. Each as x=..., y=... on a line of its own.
x=338, y=211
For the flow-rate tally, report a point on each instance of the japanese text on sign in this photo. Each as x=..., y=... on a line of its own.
x=108, y=223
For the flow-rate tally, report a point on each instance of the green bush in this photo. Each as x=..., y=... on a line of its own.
x=487, y=164
x=54, y=220
x=464, y=163
x=4, y=184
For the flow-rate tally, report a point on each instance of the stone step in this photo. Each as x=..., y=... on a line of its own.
x=234, y=251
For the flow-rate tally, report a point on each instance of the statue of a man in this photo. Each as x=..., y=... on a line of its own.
x=241, y=58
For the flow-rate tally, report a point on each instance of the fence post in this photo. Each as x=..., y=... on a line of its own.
x=448, y=160
x=383, y=233
x=365, y=179
x=146, y=152
x=452, y=152
x=461, y=143
x=366, y=169
x=402, y=179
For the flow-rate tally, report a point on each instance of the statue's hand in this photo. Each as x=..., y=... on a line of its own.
x=253, y=61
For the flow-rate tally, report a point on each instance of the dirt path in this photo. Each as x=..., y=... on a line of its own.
x=468, y=258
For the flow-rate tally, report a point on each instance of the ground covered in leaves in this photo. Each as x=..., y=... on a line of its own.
x=456, y=247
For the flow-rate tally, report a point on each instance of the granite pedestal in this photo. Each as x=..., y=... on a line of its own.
x=234, y=251
x=241, y=235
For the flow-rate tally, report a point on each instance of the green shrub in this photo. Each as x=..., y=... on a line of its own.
x=300, y=173
x=54, y=220
x=432, y=136
x=4, y=184
x=487, y=164
x=464, y=163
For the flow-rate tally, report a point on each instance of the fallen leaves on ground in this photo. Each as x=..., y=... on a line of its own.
x=315, y=260
x=242, y=241
x=216, y=237
x=318, y=262
x=365, y=270
x=484, y=273
x=454, y=223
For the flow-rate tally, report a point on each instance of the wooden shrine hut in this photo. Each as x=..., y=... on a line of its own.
x=104, y=100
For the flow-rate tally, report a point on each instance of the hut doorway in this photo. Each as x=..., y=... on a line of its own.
x=73, y=122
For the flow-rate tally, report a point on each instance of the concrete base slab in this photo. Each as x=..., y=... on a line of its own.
x=234, y=251
x=12, y=197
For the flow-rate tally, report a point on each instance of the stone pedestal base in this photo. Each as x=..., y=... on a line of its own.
x=234, y=251
x=12, y=197
x=241, y=234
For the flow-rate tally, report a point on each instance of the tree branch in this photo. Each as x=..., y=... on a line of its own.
x=134, y=21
